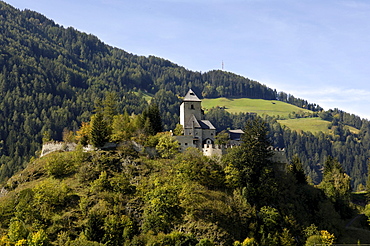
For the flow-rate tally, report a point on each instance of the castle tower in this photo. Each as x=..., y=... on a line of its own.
x=191, y=105
x=196, y=130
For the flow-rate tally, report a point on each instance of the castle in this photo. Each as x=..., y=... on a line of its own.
x=198, y=132
x=201, y=133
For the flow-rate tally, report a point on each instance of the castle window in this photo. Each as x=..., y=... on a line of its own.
x=186, y=143
x=191, y=106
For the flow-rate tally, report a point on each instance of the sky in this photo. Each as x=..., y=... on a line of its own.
x=313, y=49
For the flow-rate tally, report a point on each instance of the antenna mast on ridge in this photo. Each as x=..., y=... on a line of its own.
x=222, y=65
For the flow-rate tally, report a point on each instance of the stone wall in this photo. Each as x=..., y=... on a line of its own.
x=50, y=147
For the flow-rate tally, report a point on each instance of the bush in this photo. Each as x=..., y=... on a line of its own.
x=60, y=164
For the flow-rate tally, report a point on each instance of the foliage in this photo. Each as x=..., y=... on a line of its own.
x=167, y=146
x=222, y=138
x=151, y=120
x=59, y=165
x=38, y=238
x=192, y=165
x=99, y=130
x=323, y=238
x=17, y=230
x=336, y=185
x=116, y=198
x=297, y=171
x=83, y=134
x=179, y=130
x=51, y=77
x=250, y=165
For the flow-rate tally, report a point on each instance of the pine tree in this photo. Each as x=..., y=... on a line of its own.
x=152, y=120
x=337, y=186
x=110, y=107
x=250, y=166
x=297, y=170
x=99, y=130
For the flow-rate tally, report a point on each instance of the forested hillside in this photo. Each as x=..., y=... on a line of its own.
x=350, y=149
x=125, y=197
x=52, y=78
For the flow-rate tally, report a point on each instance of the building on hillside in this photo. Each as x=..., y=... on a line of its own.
x=197, y=130
x=201, y=133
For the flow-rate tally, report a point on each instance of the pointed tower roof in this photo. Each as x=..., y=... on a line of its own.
x=191, y=97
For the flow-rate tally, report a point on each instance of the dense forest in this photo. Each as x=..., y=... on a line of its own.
x=52, y=77
x=351, y=150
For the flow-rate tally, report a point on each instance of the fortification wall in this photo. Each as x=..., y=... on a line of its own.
x=50, y=147
x=216, y=149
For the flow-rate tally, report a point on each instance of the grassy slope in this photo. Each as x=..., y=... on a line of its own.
x=259, y=106
x=273, y=108
x=313, y=125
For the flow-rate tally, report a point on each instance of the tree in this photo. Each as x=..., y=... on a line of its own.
x=122, y=129
x=296, y=169
x=179, y=130
x=84, y=133
x=110, y=107
x=222, y=137
x=193, y=165
x=167, y=146
x=220, y=118
x=68, y=136
x=368, y=178
x=17, y=230
x=99, y=130
x=337, y=185
x=152, y=119
x=249, y=165
x=39, y=238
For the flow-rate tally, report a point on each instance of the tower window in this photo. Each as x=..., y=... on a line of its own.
x=191, y=106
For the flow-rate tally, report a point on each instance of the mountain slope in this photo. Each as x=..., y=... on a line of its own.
x=52, y=78
x=111, y=197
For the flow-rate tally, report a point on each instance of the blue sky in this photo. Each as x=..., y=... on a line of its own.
x=316, y=50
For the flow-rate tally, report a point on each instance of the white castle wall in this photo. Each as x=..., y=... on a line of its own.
x=49, y=147
x=215, y=149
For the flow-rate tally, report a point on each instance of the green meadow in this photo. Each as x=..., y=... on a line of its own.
x=259, y=106
x=313, y=125
x=273, y=108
